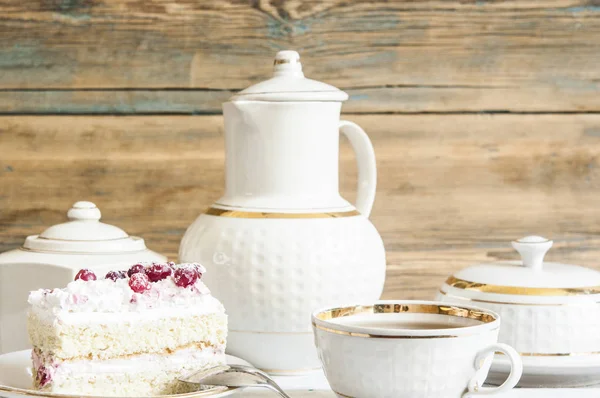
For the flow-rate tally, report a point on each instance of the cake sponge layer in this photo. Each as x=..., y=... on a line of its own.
x=118, y=336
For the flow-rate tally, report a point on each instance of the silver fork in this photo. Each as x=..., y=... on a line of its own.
x=234, y=376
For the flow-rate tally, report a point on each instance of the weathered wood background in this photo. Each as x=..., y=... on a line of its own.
x=485, y=116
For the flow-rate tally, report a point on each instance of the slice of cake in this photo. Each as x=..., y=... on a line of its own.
x=131, y=333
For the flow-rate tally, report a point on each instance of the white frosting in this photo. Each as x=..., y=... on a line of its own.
x=105, y=297
x=205, y=305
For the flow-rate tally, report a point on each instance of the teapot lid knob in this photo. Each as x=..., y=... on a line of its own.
x=84, y=211
x=289, y=84
x=287, y=63
x=532, y=250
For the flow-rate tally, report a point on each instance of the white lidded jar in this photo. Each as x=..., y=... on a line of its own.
x=282, y=242
x=53, y=258
x=550, y=313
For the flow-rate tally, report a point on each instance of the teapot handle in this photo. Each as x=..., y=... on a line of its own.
x=367, y=168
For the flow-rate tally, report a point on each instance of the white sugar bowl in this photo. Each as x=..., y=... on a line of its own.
x=550, y=312
x=52, y=258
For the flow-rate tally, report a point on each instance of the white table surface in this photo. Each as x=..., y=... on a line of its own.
x=520, y=393
x=314, y=385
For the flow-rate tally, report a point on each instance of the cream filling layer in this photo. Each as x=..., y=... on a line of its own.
x=144, y=363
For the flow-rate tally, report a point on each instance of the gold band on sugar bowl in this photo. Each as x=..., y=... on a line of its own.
x=564, y=354
x=520, y=291
x=215, y=211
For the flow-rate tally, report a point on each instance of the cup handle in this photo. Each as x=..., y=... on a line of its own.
x=516, y=369
x=367, y=168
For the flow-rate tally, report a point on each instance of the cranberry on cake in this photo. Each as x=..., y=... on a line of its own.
x=131, y=333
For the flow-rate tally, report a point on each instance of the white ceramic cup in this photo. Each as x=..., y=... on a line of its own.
x=410, y=349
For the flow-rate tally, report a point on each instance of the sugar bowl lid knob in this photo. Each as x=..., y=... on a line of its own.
x=532, y=250
x=84, y=211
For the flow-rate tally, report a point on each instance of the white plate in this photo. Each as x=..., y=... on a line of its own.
x=15, y=379
x=550, y=371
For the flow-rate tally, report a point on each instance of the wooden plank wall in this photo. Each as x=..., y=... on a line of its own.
x=485, y=116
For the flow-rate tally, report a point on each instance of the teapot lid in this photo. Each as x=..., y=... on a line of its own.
x=289, y=84
x=529, y=277
x=84, y=233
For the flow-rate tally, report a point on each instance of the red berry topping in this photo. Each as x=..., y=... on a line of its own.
x=78, y=299
x=199, y=269
x=135, y=269
x=85, y=275
x=139, y=282
x=114, y=275
x=158, y=272
x=43, y=376
x=185, y=277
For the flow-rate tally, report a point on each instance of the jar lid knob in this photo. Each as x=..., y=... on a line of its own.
x=84, y=211
x=532, y=250
x=287, y=63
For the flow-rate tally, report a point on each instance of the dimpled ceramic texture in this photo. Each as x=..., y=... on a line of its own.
x=546, y=308
x=546, y=329
x=281, y=241
x=401, y=368
x=270, y=274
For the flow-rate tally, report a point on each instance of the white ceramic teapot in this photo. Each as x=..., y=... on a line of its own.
x=53, y=258
x=282, y=242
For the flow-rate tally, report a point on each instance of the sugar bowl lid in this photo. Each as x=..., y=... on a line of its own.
x=84, y=233
x=530, y=280
x=289, y=84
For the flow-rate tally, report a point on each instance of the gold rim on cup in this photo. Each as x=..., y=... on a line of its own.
x=480, y=315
